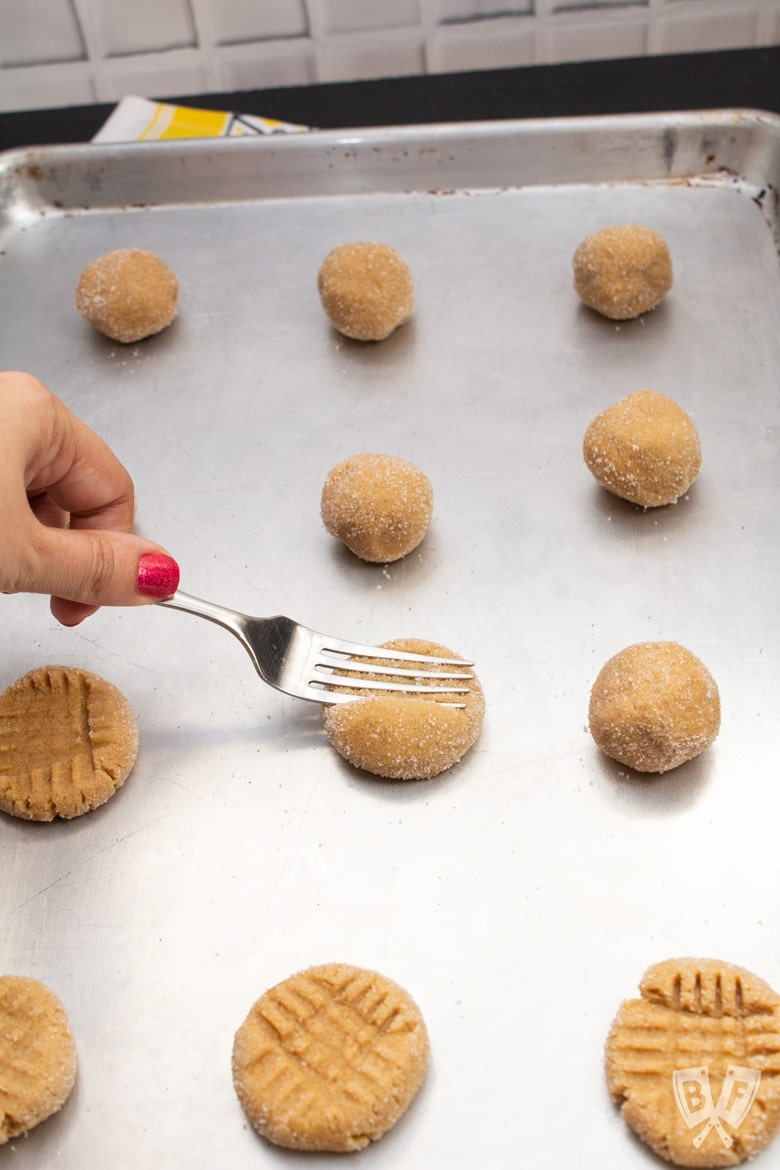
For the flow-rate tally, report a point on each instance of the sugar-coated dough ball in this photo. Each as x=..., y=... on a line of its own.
x=379, y=506
x=644, y=449
x=330, y=1058
x=37, y=1055
x=654, y=706
x=623, y=271
x=366, y=290
x=127, y=294
x=403, y=737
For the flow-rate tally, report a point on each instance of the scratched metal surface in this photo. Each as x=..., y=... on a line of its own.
x=520, y=896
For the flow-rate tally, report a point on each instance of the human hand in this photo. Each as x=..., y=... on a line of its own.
x=66, y=511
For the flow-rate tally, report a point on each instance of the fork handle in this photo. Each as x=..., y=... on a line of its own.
x=229, y=619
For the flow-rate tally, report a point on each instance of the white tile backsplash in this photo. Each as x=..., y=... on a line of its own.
x=349, y=16
x=596, y=40
x=286, y=64
x=510, y=43
x=147, y=75
x=39, y=31
x=145, y=26
x=25, y=89
x=385, y=58
x=585, y=5
x=234, y=21
x=723, y=30
x=62, y=51
x=457, y=10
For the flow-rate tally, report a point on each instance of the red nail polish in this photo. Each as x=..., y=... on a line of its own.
x=158, y=576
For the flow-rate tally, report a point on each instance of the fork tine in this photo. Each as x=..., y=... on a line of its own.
x=366, y=684
x=343, y=670
x=360, y=668
x=341, y=677
x=358, y=650
x=322, y=694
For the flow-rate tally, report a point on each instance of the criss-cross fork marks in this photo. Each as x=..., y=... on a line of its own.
x=54, y=711
x=68, y=740
x=652, y=1043
x=344, y=1040
x=705, y=1023
x=341, y=1038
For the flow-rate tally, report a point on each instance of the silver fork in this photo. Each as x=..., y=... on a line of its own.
x=303, y=663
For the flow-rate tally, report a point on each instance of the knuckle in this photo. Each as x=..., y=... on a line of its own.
x=102, y=569
x=17, y=566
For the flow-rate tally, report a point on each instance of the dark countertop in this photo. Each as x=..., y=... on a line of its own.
x=740, y=78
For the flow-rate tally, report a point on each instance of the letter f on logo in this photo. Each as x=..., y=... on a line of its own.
x=740, y=1087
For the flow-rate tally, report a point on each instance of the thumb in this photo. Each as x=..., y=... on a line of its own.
x=83, y=569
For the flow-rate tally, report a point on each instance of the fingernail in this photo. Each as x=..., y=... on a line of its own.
x=158, y=576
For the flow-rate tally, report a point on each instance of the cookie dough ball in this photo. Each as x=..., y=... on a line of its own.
x=330, y=1058
x=703, y=1033
x=37, y=1055
x=128, y=294
x=379, y=506
x=366, y=290
x=623, y=271
x=644, y=449
x=405, y=737
x=654, y=706
x=68, y=740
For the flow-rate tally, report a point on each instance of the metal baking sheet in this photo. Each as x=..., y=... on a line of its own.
x=520, y=896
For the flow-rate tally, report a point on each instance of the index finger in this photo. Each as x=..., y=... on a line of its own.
x=66, y=460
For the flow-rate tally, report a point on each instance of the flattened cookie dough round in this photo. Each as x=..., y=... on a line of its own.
x=379, y=506
x=653, y=706
x=366, y=290
x=68, y=740
x=403, y=737
x=715, y=1026
x=128, y=294
x=623, y=271
x=644, y=448
x=330, y=1058
x=37, y=1055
